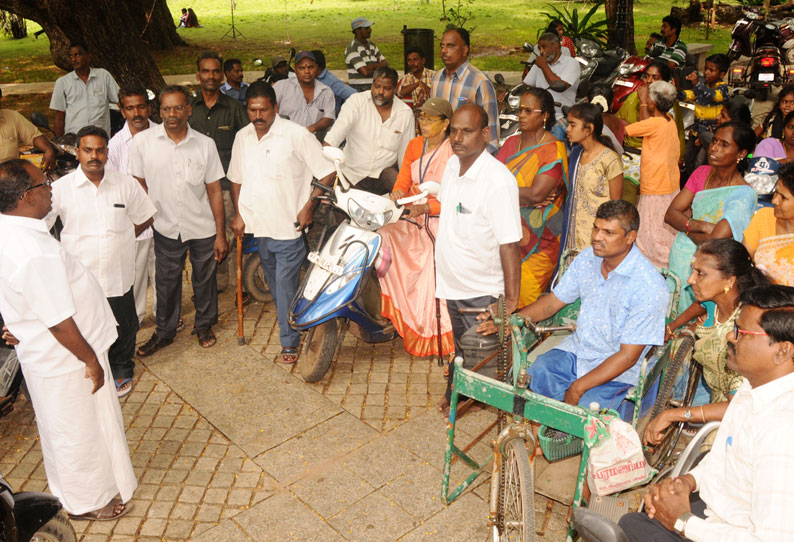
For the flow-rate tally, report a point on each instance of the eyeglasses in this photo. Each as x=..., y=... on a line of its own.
x=528, y=110
x=738, y=331
x=47, y=183
x=168, y=108
x=427, y=118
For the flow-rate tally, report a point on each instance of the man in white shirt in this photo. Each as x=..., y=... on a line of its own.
x=182, y=171
x=273, y=162
x=743, y=489
x=57, y=311
x=377, y=127
x=83, y=97
x=477, y=252
x=551, y=66
x=136, y=109
x=305, y=100
x=102, y=211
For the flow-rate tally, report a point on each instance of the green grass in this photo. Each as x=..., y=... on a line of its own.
x=499, y=29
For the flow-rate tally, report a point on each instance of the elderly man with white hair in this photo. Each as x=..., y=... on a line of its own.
x=659, y=174
x=551, y=67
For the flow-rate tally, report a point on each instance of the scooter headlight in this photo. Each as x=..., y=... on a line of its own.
x=365, y=219
x=588, y=49
x=587, y=70
x=626, y=68
x=513, y=100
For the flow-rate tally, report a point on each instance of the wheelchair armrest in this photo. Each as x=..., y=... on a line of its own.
x=692, y=451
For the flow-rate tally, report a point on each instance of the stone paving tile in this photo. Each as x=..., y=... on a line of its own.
x=166, y=506
x=373, y=519
x=331, y=492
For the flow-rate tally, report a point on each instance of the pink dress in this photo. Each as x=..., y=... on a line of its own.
x=408, y=284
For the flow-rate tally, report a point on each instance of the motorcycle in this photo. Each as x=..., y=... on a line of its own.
x=65, y=145
x=340, y=289
x=628, y=79
x=32, y=515
x=770, y=47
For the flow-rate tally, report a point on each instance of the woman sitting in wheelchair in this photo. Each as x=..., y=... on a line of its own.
x=721, y=270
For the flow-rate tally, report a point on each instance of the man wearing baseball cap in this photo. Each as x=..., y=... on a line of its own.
x=305, y=100
x=362, y=57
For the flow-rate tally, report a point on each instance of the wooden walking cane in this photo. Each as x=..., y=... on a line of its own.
x=240, y=325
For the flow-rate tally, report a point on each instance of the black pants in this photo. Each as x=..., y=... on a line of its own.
x=461, y=323
x=120, y=353
x=381, y=184
x=169, y=262
x=640, y=528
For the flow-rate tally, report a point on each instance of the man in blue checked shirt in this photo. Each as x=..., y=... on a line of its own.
x=624, y=301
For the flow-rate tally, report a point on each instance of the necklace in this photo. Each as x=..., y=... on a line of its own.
x=539, y=142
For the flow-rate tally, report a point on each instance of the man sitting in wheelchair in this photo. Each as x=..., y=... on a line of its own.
x=743, y=489
x=623, y=305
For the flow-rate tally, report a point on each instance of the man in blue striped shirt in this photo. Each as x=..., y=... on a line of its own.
x=461, y=83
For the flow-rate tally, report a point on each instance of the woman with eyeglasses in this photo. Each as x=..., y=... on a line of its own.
x=540, y=164
x=406, y=268
x=721, y=270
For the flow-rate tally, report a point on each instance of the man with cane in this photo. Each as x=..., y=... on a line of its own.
x=273, y=162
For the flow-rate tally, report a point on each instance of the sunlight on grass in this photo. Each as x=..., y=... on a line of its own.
x=273, y=26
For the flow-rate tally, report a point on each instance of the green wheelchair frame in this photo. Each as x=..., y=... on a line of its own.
x=512, y=398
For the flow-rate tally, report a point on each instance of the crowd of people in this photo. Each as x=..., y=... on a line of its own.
x=238, y=159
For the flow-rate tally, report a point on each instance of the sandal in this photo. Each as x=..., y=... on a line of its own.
x=123, y=387
x=106, y=513
x=180, y=325
x=289, y=355
x=205, y=337
x=153, y=345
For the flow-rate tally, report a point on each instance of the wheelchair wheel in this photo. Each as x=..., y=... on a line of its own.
x=517, y=495
x=660, y=454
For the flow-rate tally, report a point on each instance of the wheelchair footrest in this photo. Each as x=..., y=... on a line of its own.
x=610, y=506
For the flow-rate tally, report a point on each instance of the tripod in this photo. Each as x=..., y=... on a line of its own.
x=233, y=30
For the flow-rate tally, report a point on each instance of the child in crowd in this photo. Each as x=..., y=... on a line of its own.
x=709, y=96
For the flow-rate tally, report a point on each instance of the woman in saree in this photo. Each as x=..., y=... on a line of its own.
x=770, y=236
x=596, y=173
x=407, y=277
x=782, y=148
x=540, y=165
x=715, y=203
x=721, y=271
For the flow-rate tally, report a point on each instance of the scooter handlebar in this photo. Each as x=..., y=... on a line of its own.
x=411, y=199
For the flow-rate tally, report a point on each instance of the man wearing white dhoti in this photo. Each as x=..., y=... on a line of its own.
x=57, y=311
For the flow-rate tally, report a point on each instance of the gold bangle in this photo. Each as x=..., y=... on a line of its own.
x=643, y=105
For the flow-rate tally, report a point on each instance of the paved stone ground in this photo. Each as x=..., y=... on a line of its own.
x=228, y=444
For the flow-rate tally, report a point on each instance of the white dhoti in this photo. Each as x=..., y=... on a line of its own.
x=82, y=439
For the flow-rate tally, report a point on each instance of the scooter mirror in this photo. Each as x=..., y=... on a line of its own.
x=39, y=119
x=334, y=154
x=499, y=78
x=527, y=47
x=431, y=187
x=258, y=62
x=557, y=86
x=150, y=94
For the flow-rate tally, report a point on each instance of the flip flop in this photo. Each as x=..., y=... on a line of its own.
x=123, y=387
x=289, y=355
x=106, y=512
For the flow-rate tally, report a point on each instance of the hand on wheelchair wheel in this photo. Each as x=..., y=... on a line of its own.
x=655, y=430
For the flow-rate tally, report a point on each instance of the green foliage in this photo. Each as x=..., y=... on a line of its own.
x=759, y=2
x=579, y=27
x=458, y=15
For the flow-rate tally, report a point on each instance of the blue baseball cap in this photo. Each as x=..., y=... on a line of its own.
x=304, y=54
x=360, y=22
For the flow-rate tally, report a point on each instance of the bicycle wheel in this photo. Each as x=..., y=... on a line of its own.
x=661, y=453
x=517, y=494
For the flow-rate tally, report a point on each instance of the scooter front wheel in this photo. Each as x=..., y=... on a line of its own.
x=254, y=279
x=58, y=529
x=319, y=348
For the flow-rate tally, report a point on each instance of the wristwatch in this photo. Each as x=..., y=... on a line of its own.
x=680, y=523
x=688, y=414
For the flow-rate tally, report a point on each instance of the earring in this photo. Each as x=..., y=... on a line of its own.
x=727, y=288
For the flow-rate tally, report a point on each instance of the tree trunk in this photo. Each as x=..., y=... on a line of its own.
x=616, y=33
x=118, y=33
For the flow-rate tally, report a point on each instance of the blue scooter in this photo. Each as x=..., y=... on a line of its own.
x=340, y=287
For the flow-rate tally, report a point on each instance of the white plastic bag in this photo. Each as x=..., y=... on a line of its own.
x=617, y=462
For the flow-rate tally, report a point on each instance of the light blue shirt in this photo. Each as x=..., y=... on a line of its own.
x=232, y=92
x=629, y=307
x=342, y=91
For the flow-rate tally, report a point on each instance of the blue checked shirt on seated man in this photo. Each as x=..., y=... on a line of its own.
x=624, y=301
